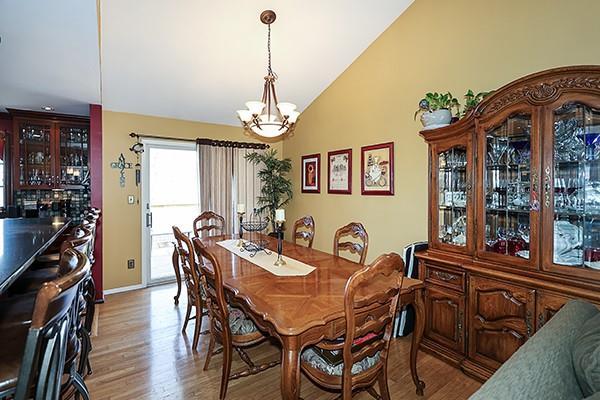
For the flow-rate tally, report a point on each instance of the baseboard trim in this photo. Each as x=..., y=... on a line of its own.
x=123, y=289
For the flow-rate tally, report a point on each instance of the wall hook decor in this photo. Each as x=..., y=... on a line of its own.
x=122, y=166
x=137, y=148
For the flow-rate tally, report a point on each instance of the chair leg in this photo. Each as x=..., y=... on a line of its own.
x=84, y=360
x=383, y=384
x=210, y=351
x=90, y=306
x=226, y=370
x=198, y=324
x=80, y=387
x=175, y=259
x=187, y=315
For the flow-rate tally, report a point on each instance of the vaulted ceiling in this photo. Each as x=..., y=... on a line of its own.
x=190, y=59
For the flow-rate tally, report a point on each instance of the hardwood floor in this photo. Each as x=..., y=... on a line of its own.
x=140, y=353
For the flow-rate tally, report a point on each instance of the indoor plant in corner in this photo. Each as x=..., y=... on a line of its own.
x=436, y=109
x=276, y=189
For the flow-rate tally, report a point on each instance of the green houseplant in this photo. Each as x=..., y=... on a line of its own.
x=471, y=100
x=436, y=109
x=276, y=189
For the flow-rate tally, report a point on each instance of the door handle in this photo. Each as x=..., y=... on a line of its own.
x=149, y=220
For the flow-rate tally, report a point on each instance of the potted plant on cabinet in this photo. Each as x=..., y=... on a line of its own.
x=471, y=100
x=276, y=189
x=436, y=109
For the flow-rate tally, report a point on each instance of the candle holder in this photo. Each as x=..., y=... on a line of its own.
x=240, y=242
x=280, y=261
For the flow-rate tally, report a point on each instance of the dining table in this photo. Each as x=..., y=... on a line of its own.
x=22, y=240
x=300, y=311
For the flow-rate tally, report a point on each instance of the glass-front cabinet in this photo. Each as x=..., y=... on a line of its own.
x=74, y=153
x=509, y=189
x=572, y=188
x=452, y=222
x=50, y=154
x=34, y=150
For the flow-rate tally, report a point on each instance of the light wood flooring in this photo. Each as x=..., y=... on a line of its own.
x=140, y=353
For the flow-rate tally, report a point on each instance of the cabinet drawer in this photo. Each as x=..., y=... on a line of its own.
x=445, y=277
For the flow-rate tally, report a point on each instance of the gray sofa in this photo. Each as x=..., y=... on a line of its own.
x=543, y=367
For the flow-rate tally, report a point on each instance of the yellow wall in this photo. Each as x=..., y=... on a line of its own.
x=434, y=46
x=121, y=221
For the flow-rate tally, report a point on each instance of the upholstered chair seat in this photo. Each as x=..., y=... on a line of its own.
x=321, y=359
x=239, y=323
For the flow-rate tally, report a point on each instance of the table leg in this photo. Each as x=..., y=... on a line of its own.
x=175, y=260
x=416, y=339
x=290, y=368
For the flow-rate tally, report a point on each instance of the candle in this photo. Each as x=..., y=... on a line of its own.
x=241, y=208
x=280, y=215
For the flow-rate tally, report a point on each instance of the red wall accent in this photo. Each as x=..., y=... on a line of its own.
x=96, y=188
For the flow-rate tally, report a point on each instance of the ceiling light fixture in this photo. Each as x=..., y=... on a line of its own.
x=47, y=108
x=268, y=117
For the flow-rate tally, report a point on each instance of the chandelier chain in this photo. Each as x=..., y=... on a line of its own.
x=269, y=48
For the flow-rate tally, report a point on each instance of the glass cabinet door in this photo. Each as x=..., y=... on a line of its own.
x=74, y=153
x=508, y=195
x=572, y=189
x=34, y=155
x=452, y=221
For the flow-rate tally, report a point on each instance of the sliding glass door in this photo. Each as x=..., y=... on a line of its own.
x=170, y=196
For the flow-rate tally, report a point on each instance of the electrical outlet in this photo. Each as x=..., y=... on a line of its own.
x=131, y=264
x=130, y=199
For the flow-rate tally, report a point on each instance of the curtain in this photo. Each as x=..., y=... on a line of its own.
x=246, y=184
x=227, y=179
x=216, y=181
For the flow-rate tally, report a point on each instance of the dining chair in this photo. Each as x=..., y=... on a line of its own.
x=208, y=221
x=357, y=231
x=357, y=359
x=39, y=351
x=229, y=326
x=304, y=229
x=191, y=274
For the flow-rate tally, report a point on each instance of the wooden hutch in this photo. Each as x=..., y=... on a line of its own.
x=514, y=216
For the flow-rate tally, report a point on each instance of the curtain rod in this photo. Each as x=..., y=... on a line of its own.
x=206, y=141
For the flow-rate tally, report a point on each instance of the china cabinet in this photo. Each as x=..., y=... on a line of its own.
x=50, y=151
x=514, y=207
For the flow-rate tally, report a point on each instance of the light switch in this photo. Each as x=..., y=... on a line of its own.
x=130, y=199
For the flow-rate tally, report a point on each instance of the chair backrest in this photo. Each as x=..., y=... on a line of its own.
x=212, y=280
x=187, y=262
x=92, y=219
x=370, y=303
x=208, y=221
x=55, y=310
x=80, y=240
x=304, y=229
x=357, y=231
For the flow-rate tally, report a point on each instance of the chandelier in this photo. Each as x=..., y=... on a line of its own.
x=268, y=117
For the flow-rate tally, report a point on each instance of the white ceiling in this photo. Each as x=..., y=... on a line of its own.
x=189, y=59
x=49, y=55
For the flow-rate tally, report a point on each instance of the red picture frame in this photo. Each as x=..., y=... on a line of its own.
x=377, y=169
x=334, y=156
x=311, y=173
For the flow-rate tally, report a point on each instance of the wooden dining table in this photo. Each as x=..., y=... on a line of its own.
x=302, y=310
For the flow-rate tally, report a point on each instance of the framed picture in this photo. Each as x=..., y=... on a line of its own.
x=377, y=169
x=311, y=173
x=339, y=172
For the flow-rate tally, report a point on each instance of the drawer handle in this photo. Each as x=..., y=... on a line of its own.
x=444, y=276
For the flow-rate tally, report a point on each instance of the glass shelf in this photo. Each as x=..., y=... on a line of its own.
x=576, y=187
x=507, y=187
x=452, y=196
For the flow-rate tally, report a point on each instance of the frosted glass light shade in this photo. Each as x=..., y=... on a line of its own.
x=244, y=115
x=293, y=117
x=286, y=108
x=255, y=107
x=269, y=129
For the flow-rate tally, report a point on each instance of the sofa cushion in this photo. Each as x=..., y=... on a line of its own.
x=586, y=357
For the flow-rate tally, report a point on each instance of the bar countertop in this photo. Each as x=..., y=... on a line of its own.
x=22, y=240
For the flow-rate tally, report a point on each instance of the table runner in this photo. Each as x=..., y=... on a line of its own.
x=265, y=261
